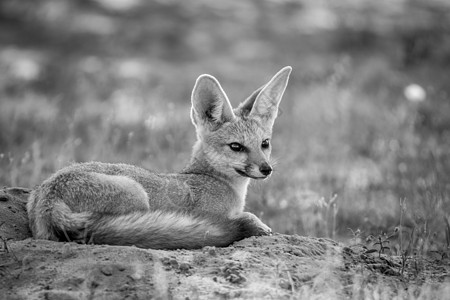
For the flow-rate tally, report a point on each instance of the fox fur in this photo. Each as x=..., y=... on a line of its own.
x=203, y=205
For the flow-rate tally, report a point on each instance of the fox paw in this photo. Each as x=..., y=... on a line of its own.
x=263, y=229
x=254, y=226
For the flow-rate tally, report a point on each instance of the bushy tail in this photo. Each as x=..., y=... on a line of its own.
x=151, y=229
x=167, y=230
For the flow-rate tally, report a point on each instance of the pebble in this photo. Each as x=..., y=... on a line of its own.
x=106, y=270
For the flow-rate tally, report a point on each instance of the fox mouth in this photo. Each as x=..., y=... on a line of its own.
x=242, y=173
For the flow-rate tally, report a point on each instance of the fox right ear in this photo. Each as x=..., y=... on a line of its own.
x=246, y=106
x=265, y=105
x=210, y=104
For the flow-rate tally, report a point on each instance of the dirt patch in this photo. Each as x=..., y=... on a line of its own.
x=13, y=213
x=255, y=267
x=274, y=267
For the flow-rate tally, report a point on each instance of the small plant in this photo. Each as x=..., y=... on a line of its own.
x=444, y=252
x=333, y=210
x=404, y=253
x=382, y=240
x=330, y=214
x=356, y=237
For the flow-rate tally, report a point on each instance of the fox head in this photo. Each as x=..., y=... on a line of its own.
x=236, y=142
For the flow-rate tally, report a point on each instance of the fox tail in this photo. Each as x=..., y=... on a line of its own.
x=150, y=229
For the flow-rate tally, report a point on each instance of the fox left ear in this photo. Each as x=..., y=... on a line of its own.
x=210, y=105
x=265, y=104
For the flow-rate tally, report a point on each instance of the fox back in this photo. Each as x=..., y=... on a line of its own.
x=202, y=205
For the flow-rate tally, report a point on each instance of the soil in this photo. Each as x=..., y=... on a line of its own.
x=274, y=267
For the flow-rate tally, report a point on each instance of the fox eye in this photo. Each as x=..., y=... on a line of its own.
x=236, y=147
x=265, y=144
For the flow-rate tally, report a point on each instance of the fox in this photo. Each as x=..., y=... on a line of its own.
x=202, y=205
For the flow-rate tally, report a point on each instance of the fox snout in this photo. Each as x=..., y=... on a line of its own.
x=256, y=171
x=265, y=169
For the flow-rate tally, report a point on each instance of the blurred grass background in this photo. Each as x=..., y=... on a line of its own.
x=366, y=115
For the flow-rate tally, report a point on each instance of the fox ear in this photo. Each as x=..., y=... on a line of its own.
x=246, y=106
x=210, y=104
x=265, y=105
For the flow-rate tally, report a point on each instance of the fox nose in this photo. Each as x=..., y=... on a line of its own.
x=265, y=169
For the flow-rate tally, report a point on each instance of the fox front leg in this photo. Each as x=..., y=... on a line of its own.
x=259, y=227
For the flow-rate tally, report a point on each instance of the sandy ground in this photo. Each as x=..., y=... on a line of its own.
x=271, y=267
